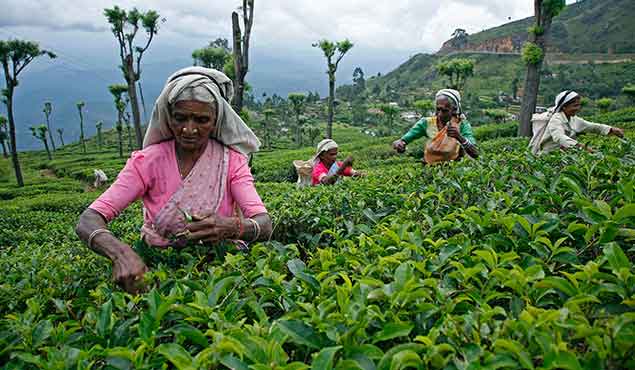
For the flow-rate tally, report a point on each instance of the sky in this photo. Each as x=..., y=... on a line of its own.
x=78, y=29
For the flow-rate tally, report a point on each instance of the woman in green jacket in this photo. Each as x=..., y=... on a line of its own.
x=448, y=109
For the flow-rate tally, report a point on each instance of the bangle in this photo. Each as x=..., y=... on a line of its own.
x=239, y=226
x=94, y=234
x=256, y=230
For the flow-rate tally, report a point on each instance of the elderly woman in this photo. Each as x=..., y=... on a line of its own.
x=190, y=175
x=326, y=169
x=448, y=113
x=563, y=126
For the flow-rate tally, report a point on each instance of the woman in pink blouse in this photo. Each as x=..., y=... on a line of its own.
x=326, y=168
x=191, y=175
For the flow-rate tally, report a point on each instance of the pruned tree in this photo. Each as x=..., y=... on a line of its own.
x=15, y=56
x=99, y=125
x=3, y=135
x=457, y=71
x=390, y=112
x=80, y=108
x=497, y=115
x=40, y=133
x=297, y=102
x=211, y=57
x=330, y=49
x=125, y=25
x=60, y=132
x=48, y=108
x=266, y=125
x=117, y=91
x=533, y=54
x=359, y=83
x=605, y=104
x=423, y=106
x=241, y=39
x=629, y=90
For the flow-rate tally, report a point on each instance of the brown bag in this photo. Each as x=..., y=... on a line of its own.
x=442, y=148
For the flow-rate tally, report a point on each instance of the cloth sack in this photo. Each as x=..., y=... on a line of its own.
x=442, y=148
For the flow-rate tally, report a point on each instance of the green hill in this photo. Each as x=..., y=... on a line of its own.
x=589, y=26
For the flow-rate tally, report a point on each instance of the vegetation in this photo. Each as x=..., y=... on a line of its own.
x=429, y=267
x=330, y=49
x=15, y=56
x=457, y=71
x=125, y=25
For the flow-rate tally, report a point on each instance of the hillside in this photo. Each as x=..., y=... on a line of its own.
x=588, y=26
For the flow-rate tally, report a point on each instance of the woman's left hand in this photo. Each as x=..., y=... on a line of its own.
x=211, y=228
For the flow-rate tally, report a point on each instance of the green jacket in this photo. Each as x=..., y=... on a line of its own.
x=420, y=129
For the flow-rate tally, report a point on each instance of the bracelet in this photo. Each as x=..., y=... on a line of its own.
x=94, y=234
x=464, y=143
x=256, y=229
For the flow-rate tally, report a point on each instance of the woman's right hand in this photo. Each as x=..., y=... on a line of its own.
x=128, y=270
x=348, y=162
x=399, y=146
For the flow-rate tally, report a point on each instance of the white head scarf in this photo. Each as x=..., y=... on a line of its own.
x=453, y=95
x=206, y=85
x=324, y=146
x=562, y=99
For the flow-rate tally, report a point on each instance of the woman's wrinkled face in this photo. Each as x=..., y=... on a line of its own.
x=444, y=110
x=573, y=107
x=329, y=157
x=191, y=123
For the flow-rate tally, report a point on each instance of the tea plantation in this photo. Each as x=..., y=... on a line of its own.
x=505, y=262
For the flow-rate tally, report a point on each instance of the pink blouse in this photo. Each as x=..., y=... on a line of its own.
x=320, y=170
x=152, y=174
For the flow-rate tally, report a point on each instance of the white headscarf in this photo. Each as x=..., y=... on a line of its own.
x=453, y=95
x=206, y=85
x=324, y=146
x=562, y=99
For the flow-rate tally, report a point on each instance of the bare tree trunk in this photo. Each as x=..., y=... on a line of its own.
x=48, y=126
x=61, y=139
x=81, y=130
x=134, y=103
x=4, y=150
x=331, y=103
x=129, y=137
x=14, y=150
x=46, y=146
x=532, y=79
x=241, y=50
x=238, y=64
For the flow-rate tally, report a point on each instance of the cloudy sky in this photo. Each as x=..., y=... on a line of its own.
x=77, y=29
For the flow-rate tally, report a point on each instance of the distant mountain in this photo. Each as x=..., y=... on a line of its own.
x=592, y=51
x=64, y=85
x=587, y=26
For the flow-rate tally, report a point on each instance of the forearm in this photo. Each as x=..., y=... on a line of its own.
x=102, y=243
x=417, y=131
x=250, y=232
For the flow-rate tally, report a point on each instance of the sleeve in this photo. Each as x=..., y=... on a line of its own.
x=417, y=131
x=586, y=126
x=128, y=187
x=467, y=133
x=555, y=129
x=242, y=187
x=319, y=171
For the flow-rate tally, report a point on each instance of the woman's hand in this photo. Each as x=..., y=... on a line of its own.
x=615, y=131
x=348, y=162
x=212, y=228
x=128, y=270
x=399, y=146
